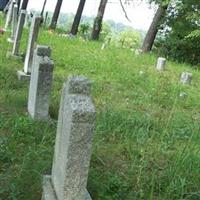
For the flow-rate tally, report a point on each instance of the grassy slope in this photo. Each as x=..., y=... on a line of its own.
x=147, y=138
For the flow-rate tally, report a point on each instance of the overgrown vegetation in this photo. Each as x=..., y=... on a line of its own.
x=147, y=137
x=180, y=35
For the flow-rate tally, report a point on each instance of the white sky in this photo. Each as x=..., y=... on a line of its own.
x=140, y=15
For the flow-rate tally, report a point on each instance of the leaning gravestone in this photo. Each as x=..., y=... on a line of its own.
x=33, y=35
x=161, y=64
x=186, y=78
x=9, y=15
x=40, y=84
x=73, y=146
x=14, y=23
x=16, y=46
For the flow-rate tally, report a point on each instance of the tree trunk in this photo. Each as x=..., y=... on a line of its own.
x=152, y=32
x=56, y=14
x=77, y=17
x=24, y=4
x=98, y=20
x=18, y=4
x=43, y=8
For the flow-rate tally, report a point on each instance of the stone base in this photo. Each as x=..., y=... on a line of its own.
x=49, y=193
x=10, y=55
x=38, y=117
x=10, y=40
x=22, y=76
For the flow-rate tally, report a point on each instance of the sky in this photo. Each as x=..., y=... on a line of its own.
x=140, y=14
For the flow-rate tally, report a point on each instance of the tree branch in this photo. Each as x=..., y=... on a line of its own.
x=124, y=10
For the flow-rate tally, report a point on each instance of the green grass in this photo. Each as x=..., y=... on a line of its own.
x=147, y=138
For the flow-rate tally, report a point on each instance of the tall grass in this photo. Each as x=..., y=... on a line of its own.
x=147, y=138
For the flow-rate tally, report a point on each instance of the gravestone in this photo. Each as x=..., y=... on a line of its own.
x=14, y=23
x=186, y=78
x=16, y=46
x=9, y=15
x=40, y=84
x=33, y=35
x=161, y=64
x=28, y=20
x=73, y=146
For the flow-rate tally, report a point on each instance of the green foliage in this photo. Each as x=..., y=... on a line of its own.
x=181, y=32
x=84, y=30
x=129, y=39
x=106, y=31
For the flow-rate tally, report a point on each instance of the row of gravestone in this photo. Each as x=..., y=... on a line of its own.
x=76, y=115
x=186, y=77
x=76, y=121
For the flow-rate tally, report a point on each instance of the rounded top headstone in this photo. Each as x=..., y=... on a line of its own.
x=186, y=78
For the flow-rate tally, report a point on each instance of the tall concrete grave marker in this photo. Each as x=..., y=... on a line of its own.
x=73, y=146
x=9, y=15
x=33, y=35
x=14, y=23
x=16, y=46
x=40, y=84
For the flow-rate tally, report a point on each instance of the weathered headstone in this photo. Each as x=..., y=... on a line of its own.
x=161, y=64
x=73, y=146
x=28, y=20
x=40, y=84
x=9, y=15
x=26, y=24
x=186, y=78
x=16, y=46
x=14, y=23
x=33, y=35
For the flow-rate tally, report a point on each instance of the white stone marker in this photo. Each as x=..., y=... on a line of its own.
x=16, y=46
x=13, y=23
x=73, y=146
x=186, y=78
x=40, y=84
x=27, y=20
x=33, y=35
x=161, y=63
x=9, y=15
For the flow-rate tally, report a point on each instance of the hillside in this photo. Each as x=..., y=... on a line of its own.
x=147, y=137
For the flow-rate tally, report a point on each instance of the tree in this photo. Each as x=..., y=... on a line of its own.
x=43, y=8
x=56, y=14
x=24, y=4
x=98, y=20
x=18, y=4
x=77, y=18
x=157, y=20
x=152, y=32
